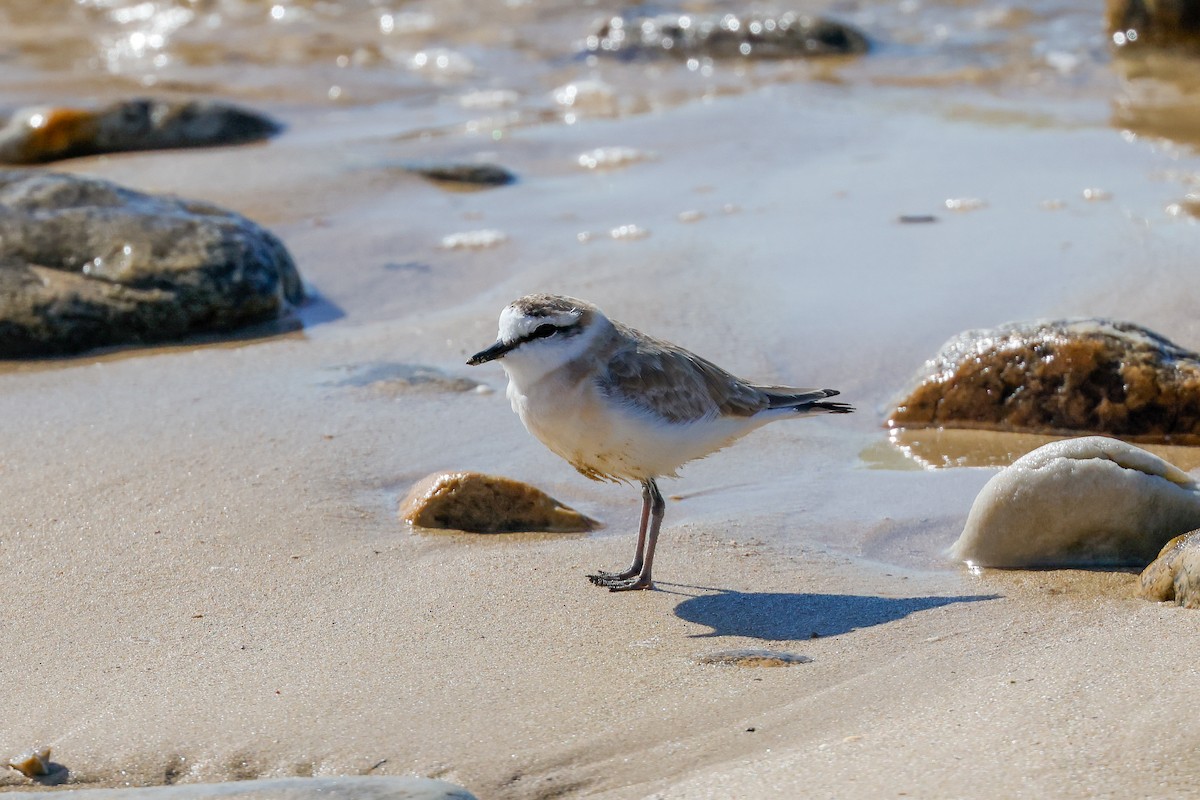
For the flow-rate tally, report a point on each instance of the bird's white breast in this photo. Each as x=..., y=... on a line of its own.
x=603, y=438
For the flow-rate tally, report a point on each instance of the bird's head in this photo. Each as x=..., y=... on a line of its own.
x=540, y=332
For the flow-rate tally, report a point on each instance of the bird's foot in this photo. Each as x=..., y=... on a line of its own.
x=601, y=575
x=617, y=582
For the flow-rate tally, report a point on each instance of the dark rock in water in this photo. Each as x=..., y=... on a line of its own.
x=1063, y=376
x=38, y=135
x=480, y=176
x=85, y=263
x=787, y=35
x=1153, y=22
x=1175, y=574
x=477, y=503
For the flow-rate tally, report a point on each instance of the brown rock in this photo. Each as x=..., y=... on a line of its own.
x=1175, y=574
x=34, y=763
x=477, y=503
x=39, y=135
x=1061, y=377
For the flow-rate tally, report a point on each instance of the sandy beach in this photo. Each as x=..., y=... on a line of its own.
x=204, y=575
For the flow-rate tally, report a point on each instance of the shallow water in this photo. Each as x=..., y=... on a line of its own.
x=753, y=211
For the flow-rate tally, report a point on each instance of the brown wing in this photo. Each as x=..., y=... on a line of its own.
x=679, y=386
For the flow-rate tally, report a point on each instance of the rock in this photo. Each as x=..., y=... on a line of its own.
x=1153, y=22
x=753, y=658
x=85, y=263
x=353, y=788
x=464, y=176
x=1175, y=574
x=717, y=36
x=38, y=135
x=1061, y=377
x=32, y=764
x=477, y=503
x=1086, y=502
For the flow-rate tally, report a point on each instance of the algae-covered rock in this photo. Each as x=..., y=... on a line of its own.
x=1063, y=376
x=38, y=135
x=478, y=503
x=1175, y=574
x=1086, y=502
x=85, y=263
x=755, y=36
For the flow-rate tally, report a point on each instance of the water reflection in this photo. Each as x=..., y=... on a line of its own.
x=940, y=448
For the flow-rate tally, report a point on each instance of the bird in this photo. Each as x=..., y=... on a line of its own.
x=625, y=407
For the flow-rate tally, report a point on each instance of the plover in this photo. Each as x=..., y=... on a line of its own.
x=621, y=406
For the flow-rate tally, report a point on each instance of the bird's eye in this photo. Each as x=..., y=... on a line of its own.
x=542, y=331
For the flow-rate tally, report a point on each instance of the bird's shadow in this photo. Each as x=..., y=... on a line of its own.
x=776, y=616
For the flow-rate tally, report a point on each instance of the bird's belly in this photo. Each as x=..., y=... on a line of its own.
x=603, y=440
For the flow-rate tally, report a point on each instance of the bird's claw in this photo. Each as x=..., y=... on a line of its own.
x=620, y=582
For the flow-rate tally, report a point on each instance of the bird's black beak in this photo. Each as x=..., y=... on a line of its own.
x=491, y=354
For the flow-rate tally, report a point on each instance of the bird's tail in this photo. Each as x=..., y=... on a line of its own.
x=806, y=401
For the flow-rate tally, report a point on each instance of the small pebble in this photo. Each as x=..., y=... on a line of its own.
x=612, y=157
x=628, y=232
x=489, y=100
x=474, y=240
x=965, y=203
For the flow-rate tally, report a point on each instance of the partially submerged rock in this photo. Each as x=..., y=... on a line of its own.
x=85, y=263
x=464, y=176
x=38, y=135
x=1086, y=502
x=1175, y=574
x=788, y=35
x=477, y=503
x=1062, y=377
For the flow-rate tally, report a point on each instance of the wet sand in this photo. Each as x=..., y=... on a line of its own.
x=205, y=578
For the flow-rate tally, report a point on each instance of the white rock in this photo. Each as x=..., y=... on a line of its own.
x=1091, y=501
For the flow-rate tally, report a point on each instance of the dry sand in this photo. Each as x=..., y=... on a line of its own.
x=204, y=578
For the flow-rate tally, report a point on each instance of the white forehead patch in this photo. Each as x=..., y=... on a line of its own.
x=515, y=325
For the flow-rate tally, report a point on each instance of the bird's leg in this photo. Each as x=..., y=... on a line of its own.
x=603, y=577
x=657, y=509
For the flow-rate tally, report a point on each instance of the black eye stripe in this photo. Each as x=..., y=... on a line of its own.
x=546, y=330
